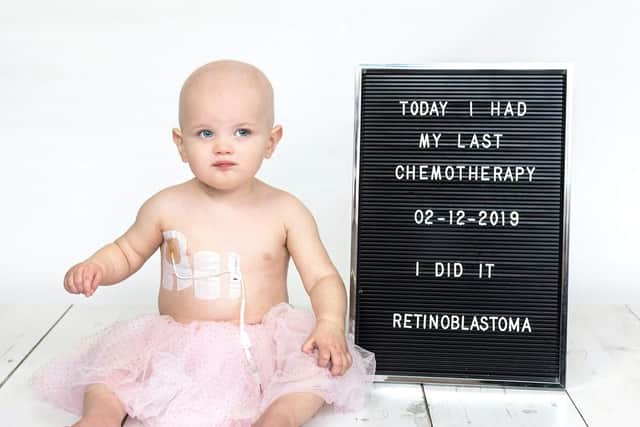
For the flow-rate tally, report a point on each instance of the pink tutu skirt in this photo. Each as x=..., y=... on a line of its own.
x=167, y=373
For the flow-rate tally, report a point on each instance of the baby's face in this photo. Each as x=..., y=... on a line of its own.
x=226, y=130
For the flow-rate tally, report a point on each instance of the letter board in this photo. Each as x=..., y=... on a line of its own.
x=460, y=223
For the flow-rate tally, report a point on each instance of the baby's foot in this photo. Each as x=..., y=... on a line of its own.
x=101, y=421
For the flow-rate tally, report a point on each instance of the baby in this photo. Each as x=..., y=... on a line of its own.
x=226, y=348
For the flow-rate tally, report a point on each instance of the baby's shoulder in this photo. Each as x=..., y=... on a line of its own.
x=289, y=207
x=160, y=204
x=168, y=195
x=283, y=200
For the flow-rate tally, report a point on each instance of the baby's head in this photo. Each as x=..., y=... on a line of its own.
x=226, y=115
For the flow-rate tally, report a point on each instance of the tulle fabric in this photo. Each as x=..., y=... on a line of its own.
x=168, y=373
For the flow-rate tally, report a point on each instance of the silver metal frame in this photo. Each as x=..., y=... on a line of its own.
x=353, y=286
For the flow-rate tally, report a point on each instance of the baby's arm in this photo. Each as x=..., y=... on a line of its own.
x=118, y=260
x=323, y=284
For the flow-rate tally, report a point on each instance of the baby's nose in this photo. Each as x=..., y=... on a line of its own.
x=223, y=147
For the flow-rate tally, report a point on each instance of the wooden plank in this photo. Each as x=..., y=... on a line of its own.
x=394, y=405
x=603, y=360
x=635, y=310
x=21, y=327
x=17, y=404
x=454, y=406
x=390, y=405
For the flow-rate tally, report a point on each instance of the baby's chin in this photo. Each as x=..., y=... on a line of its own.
x=230, y=179
x=225, y=183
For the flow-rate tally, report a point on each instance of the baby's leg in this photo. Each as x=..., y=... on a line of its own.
x=292, y=410
x=101, y=408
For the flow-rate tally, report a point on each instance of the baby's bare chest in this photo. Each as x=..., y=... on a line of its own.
x=255, y=240
x=201, y=255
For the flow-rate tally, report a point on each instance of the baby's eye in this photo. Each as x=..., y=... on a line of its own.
x=242, y=132
x=205, y=133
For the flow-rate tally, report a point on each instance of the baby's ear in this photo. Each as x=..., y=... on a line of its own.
x=274, y=138
x=176, y=134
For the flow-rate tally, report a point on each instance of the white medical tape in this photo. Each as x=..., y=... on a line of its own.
x=206, y=264
x=183, y=267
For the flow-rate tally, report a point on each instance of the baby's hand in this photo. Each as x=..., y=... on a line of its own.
x=329, y=338
x=83, y=277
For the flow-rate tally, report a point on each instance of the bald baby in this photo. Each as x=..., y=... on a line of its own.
x=225, y=81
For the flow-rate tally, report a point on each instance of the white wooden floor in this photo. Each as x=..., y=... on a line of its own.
x=603, y=376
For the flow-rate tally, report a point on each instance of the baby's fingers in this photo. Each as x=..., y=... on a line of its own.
x=336, y=364
x=341, y=362
x=68, y=282
x=80, y=280
x=97, y=279
x=77, y=278
x=88, y=278
x=324, y=355
x=91, y=279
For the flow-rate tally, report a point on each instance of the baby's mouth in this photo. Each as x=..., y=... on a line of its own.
x=224, y=165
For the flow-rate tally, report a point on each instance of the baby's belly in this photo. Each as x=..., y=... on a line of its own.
x=184, y=307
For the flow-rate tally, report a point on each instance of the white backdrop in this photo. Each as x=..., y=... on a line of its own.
x=88, y=97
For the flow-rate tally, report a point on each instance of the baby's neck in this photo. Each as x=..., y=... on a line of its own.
x=235, y=196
